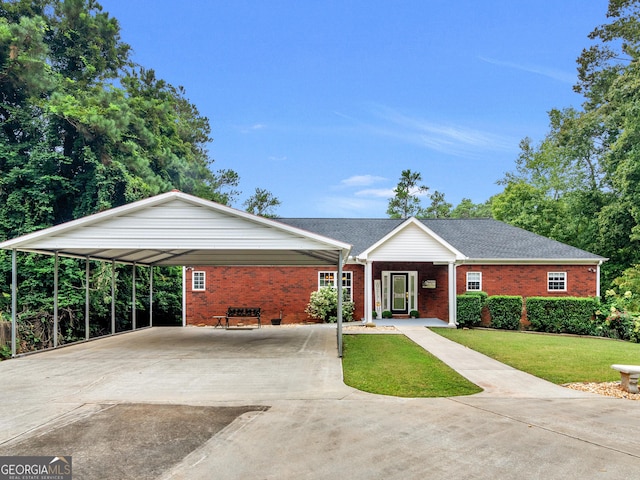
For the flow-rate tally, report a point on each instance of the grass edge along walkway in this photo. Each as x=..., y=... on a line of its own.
x=559, y=359
x=395, y=365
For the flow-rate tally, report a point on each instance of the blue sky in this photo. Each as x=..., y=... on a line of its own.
x=324, y=103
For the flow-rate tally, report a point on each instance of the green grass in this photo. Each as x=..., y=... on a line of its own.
x=394, y=365
x=557, y=358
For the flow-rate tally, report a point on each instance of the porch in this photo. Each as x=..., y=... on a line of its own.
x=411, y=322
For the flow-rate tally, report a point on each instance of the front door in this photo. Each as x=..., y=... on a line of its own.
x=399, y=293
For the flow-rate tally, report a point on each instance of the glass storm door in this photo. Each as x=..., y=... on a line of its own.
x=399, y=293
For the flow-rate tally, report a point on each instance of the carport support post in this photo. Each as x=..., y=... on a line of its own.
x=87, y=301
x=133, y=297
x=340, y=294
x=56, y=261
x=151, y=295
x=14, y=300
x=113, y=297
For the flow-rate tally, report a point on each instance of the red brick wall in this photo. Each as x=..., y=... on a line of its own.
x=288, y=288
x=272, y=289
x=530, y=280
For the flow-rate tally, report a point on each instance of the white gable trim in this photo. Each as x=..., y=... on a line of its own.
x=374, y=250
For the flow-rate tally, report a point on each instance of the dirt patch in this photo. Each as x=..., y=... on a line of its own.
x=131, y=441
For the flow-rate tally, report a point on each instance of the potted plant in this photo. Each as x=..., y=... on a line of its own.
x=414, y=314
x=387, y=314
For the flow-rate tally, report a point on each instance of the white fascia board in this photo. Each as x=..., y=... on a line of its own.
x=413, y=221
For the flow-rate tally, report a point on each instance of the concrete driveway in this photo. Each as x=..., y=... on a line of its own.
x=200, y=403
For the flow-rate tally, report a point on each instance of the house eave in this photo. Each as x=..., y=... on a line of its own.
x=533, y=261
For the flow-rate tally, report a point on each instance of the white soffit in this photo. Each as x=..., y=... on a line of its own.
x=179, y=229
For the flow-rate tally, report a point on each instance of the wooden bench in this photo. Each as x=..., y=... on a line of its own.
x=628, y=377
x=242, y=313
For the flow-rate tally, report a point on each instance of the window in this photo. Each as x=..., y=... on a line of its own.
x=556, y=281
x=328, y=279
x=474, y=281
x=197, y=281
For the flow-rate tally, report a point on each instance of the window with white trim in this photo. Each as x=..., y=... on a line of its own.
x=328, y=279
x=474, y=281
x=557, y=281
x=198, y=281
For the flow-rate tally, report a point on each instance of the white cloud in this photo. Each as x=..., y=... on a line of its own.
x=252, y=128
x=337, y=206
x=559, y=75
x=441, y=136
x=361, y=180
x=375, y=193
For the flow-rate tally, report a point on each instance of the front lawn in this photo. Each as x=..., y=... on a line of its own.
x=557, y=358
x=395, y=365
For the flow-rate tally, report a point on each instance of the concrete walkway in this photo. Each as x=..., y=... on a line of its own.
x=497, y=379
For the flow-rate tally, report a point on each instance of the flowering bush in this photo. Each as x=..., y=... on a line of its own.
x=323, y=304
x=618, y=316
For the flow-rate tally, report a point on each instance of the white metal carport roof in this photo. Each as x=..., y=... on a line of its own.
x=180, y=230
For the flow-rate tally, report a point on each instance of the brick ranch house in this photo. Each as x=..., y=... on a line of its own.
x=399, y=266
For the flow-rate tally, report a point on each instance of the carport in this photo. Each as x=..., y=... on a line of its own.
x=174, y=229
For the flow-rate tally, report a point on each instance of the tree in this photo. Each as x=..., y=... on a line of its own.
x=262, y=203
x=83, y=129
x=406, y=202
x=438, y=208
x=467, y=209
x=580, y=185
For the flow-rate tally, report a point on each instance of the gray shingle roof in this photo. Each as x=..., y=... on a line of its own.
x=478, y=239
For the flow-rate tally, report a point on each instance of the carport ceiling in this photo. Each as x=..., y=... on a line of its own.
x=179, y=229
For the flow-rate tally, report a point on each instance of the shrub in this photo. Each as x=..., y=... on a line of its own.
x=505, y=311
x=323, y=305
x=483, y=297
x=387, y=314
x=562, y=315
x=468, y=310
x=617, y=317
x=414, y=314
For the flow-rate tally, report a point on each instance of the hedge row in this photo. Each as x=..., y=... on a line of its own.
x=562, y=314
x=578, y=316
x=545, y=314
